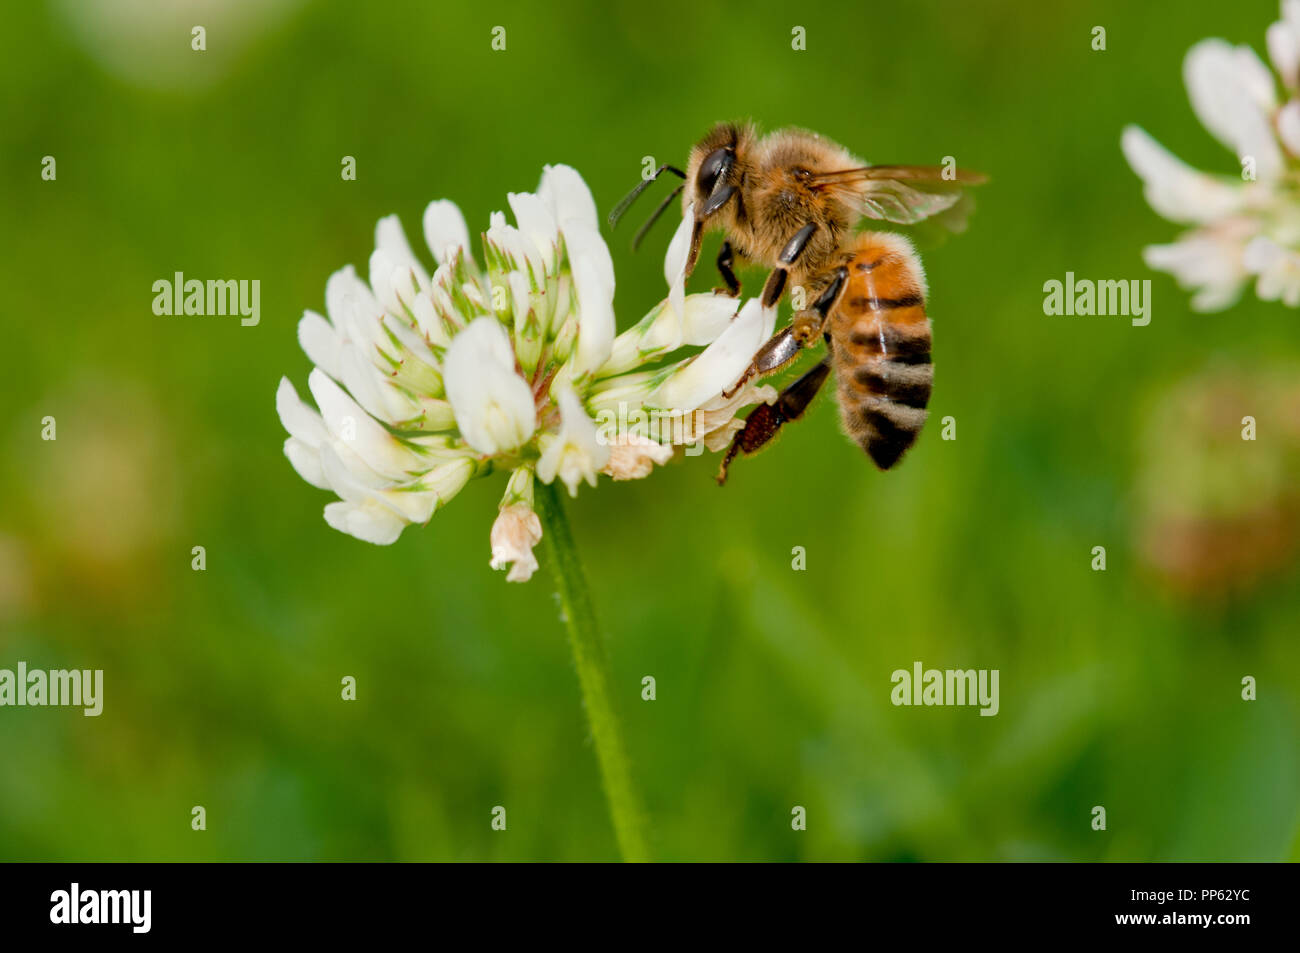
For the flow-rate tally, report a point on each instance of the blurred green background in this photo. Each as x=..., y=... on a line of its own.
x=222, y=688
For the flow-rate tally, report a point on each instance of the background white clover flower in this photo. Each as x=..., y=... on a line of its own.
x=1247, y=227
x=423, y=381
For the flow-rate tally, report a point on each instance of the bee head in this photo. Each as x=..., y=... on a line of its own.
x=713, y=172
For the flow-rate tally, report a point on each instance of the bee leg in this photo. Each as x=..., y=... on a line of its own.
x=778, y=351
x=789, y=255
x=807, y=325
x=774, y=287
x=726, y=266
x=803, y=331
x=766, y=419
x=795, y=246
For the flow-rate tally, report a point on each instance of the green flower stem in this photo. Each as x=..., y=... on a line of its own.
x=593, y=674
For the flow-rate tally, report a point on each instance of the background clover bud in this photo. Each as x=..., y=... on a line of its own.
x=517, y=529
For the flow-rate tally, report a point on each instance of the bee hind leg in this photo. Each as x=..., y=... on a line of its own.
x=766, y=419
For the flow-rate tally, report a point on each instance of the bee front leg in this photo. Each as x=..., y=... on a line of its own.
x=726, y=268
x=766, y=419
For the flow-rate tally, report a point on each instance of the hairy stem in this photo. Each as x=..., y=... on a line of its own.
x=593, y=674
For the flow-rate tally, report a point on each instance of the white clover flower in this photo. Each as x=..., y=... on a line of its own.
x=423, y=381
x=1246, y=227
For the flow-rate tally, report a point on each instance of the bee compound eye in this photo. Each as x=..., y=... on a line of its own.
x=714, y=165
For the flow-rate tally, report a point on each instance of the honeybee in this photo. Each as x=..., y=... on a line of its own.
x=789, y=201
x=872, y=316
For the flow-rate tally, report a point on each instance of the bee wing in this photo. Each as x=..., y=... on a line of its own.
x=882, y=191
x=892, y=201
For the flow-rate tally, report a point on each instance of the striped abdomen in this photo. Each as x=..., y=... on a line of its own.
x=880, y=337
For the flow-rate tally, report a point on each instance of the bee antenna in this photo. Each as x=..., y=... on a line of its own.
x=631, y=197
x=654, y=217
